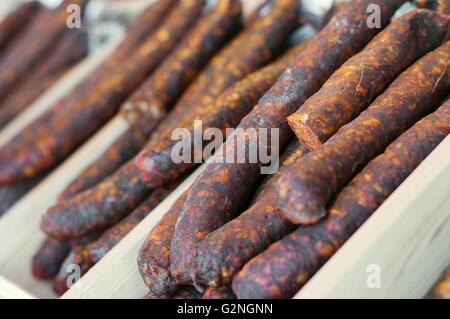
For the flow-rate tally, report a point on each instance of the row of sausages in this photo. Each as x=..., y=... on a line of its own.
x=28, y=68
x=367, y=107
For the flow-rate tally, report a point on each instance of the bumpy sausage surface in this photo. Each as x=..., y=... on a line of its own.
x=364, y=76
x=71, y=126
x=154, y=255
x=220, y=191
x=304, y=193
x=183, y=292
x=442, y=6
x=162, y=89
x=287, y=265
x=250, y=50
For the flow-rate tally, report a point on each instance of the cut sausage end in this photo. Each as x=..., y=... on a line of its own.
x=304, y=133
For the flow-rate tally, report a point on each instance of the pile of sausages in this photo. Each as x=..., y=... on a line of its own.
x=357, y=108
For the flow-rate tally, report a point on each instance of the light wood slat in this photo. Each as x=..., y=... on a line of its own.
x=408, y=237
x=8, y=290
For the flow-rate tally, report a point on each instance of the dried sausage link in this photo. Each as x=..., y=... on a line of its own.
x=364, y=76
x=218, y=293
x=18, y=59
x=120, y=152
x=88, y=255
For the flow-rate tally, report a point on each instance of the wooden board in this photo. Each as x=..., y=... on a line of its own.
x=8, y=290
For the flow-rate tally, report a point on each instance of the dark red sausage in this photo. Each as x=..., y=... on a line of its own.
x=73, y=125
x=65, y=54
x=304, y=193
x=286, y=266
x=364, y=76
x=48, y=259
x=97, y=208
x=223, y=252
x=163, y=88
x=220, y=191
x=250, y=50
x=153, y=259
x=13, y=23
